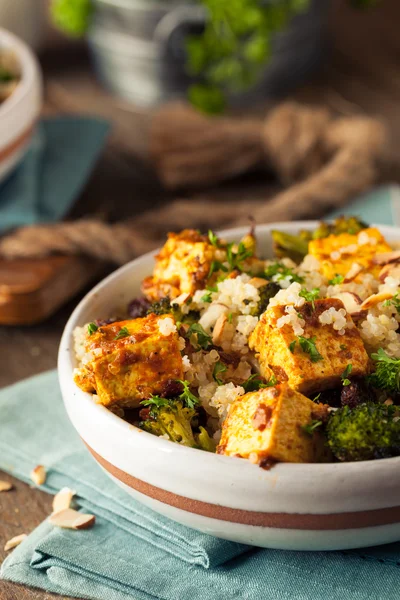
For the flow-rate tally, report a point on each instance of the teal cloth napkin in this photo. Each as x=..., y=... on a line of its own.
x=134, y=553
x=48, y=180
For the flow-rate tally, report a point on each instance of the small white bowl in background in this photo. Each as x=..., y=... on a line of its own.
x=19, y=113
x=327, y=506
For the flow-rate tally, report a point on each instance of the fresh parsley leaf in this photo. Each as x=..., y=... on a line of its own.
x=230, y=317
x=255, y=382
x=216, y=266
x=212, y=288
x=237, y=255
x=203, y=339
x=122, y=333
x=92, y=328
x=219, y=367
x=308, y=346
x=337, y=280
x=344, y=376
x=277, y=272
x=343, y=347
x=187, y=397
x=317, y=397
x=310, y=296
x=387, y=372
x=206, y=297
x=311, y=426
x=213, y=238
x=395, y=301
x=155, y=401
x=292, y=346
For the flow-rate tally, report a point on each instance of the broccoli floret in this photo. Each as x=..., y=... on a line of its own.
x=204, y=441
x=268, y=291
x=350, y=225
x=165, y=306
x=287, y=245
x=365, y=432
x=171, y=417
x=387, y=372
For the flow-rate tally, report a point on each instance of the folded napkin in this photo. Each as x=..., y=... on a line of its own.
x=133, y=552
x=60, y=158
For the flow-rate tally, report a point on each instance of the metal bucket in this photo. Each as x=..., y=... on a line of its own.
x=138, y=49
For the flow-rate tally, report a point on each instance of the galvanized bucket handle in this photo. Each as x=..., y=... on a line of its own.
x=178, y=18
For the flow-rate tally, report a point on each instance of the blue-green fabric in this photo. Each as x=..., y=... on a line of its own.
x=48, y=180
x=134, y=553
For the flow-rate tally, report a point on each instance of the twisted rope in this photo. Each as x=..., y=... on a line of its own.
x=325, y=161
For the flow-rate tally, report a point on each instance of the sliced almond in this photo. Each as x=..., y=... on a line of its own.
x=389, y=270
x=353, y=272
x=5, y=486
x=352, y=302
x=212, y=314
x=181, y=299
x=38, y=475
x=258, y=282
x=72, y=519
x=14, y=542
x=63, y=499
x=375, y=299
x=218, y=330
x=386, y=257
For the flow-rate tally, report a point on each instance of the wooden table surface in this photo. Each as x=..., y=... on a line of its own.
x=362, y=74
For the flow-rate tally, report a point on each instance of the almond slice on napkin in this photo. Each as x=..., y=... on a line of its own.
x=14, y=542
x=72, y=519
x=62, y=500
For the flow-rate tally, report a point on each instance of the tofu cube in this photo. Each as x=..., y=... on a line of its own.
x=279, y=351
x=127, y=361
x=267, y=426
x=182, y=266
x=337, y=253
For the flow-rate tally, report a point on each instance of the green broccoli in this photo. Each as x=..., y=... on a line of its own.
x=387, y=372
x=204, y=441
x=365, y=432
x=268, y=291
x=287, y=245
x=172, y=418
x=350, y=225
x=165, y=306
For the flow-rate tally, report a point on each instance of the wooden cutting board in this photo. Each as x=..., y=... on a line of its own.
x=31, y=290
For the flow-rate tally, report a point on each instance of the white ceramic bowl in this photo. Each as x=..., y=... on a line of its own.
x=292, y=506
x=20, y=112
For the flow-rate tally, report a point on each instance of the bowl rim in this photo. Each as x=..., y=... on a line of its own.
x=66, y=367
x=29, y=70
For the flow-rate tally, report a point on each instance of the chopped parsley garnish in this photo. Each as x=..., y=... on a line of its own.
x=219, y=367
x=203, y=339
x=310, y=296
x=92, y=328
x=292, y=346
x=235, y=259
x=122, y=333
x=216, y=266
x=230, y=317
x=343, y=347
x=308, y=346
x=187, y=397
x=317, y=397
x=206, y=297
x=344, y=376
x=155, y=401
x=212, y=288
x=213, y=238
x=337, y=280
x=387, y=372
x=278, y=271
x=395, y=301
x=311, y=426
x=254, y=383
